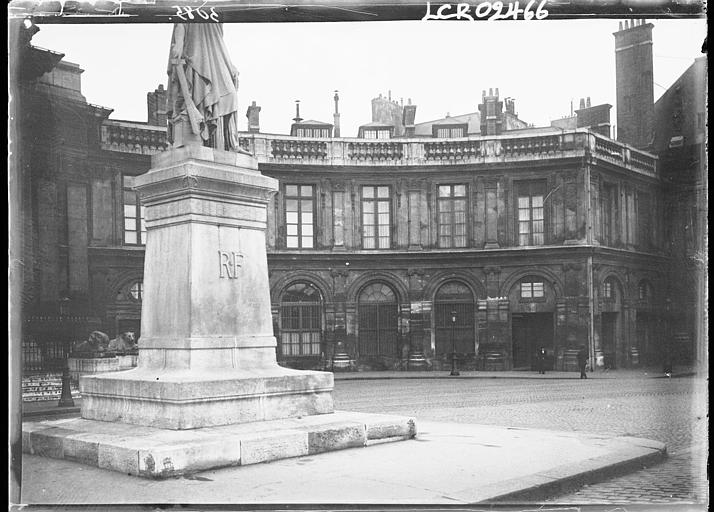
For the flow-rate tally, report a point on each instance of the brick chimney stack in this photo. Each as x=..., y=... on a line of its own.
x=635, y=86
x=253, y=115
x=408, y=116
x=156, y=106
x=491, y=113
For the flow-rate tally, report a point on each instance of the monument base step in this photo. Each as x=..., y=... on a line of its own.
x=183, y=400
x=157, y=453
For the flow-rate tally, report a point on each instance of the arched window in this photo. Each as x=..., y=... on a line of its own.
x=136, y=290
x=300, y=320
x=644, y=290
x=454, y=297
x=378, y=321
x=610, y=289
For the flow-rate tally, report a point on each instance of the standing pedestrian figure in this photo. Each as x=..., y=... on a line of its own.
x=540, y=360
x=582, y=362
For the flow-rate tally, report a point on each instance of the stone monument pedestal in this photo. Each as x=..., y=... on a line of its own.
x=207, y=355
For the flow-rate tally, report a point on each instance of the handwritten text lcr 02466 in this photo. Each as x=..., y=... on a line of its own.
x=487, y=10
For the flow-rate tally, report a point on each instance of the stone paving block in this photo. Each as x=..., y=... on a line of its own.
x=49, y=442
x=380, y=429
x=264, y=448
x=79, y=449
x=117, y=457
x=336, y=437
x=27, y=430
x=173, y=459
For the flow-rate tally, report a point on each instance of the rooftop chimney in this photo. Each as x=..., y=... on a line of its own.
x=336, y=115
x=297, y=117
x=491, y=114
x=157, y=106
x=634, y=84
x=595, y=118
x=253, y=115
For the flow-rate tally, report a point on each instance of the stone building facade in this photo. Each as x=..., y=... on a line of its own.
x=374, y=244
x=476, y=234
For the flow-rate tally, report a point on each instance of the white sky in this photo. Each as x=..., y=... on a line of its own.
x=441, y=66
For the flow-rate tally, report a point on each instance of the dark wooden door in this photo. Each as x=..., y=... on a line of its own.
x=530, y=331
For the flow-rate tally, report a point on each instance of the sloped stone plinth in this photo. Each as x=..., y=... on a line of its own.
x=158, y=453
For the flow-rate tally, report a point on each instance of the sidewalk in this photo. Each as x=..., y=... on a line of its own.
x=644, y=373
x=445, y=464
x=50, y=409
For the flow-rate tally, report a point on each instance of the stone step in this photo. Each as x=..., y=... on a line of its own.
x=158, y=453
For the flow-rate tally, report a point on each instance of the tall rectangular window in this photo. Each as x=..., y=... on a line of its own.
x=134, y=226
x=299, y=216
x=376, y=218
x=531, y=225
x=644, y=218
x=452, y=215
x=609, y=209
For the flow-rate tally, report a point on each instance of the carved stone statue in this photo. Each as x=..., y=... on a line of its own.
x=202, y=91
x=97, y=343
x=124, y=342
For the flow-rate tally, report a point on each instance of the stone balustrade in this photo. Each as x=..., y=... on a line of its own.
x=298, y=149
x=621, y=154
x=130, y=137
x=277, y=149
x=375, y=151
x=452, y=150
x=141, y=138
x=531, y=145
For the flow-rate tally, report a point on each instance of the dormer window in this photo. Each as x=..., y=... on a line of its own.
x=449, y=129
x=376, y=134
x=313, y=132
x=311, y=129
x=447, y=133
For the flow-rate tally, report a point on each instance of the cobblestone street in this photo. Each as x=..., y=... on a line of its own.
x=672, y=411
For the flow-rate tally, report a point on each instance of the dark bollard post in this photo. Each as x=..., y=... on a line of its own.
x=454, y=371
x=66, y=398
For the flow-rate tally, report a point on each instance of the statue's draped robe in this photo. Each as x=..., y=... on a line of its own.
x=211, y=78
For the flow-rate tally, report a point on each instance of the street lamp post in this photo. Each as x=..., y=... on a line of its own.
x=454, y=371
x=66, y=397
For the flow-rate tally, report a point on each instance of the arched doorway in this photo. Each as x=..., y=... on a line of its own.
x=300, y=321
x=457, y=297
x=378, y=321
